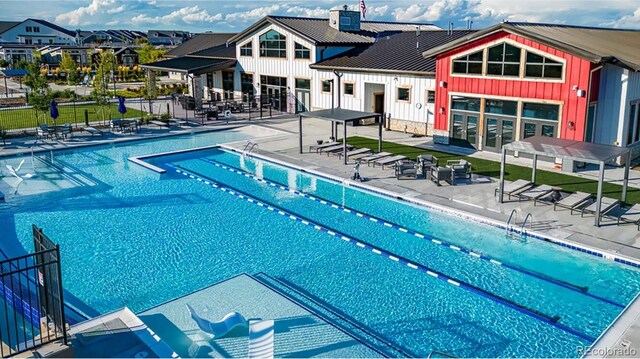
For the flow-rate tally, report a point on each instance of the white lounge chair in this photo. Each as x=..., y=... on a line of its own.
x=375, y=156
x=386, y=161
x=220, y=328
x=632, y=215
x=317, y=148
x=261, y=339
x=333, y=149
x=607, y=204
x=356, y=152
x=573, y=201
x=535, y=193
x=93, y=131
x=514, y=188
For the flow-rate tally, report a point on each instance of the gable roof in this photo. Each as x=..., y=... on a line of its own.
x=53, y=26
x=319, y=31
x=399, y=52
x=218, y=52
x=200, y=42
x=594, y=44
x=6, y=25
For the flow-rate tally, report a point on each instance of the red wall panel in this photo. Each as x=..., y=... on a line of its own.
x=573, y=107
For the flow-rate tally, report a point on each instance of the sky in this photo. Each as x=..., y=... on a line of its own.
x=233, y=16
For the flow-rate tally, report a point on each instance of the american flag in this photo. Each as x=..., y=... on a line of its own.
x=363, y=9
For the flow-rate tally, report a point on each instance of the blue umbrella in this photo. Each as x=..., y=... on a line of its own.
x=121, y=107
x=53, y=111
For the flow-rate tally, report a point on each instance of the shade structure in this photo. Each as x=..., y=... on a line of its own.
x=191, y=65
x=341, y=116
x=580, y=151
x=53, y=110
x=121, y=107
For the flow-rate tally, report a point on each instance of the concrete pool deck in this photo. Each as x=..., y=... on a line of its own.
x=298, y=332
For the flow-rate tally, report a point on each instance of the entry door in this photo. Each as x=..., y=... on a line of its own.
x=378, y=103
x=304, y=100
x=539, y=128
x=465, y=127
x=498, y=132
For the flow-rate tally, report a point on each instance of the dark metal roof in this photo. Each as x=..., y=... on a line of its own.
x=54, y=26
x=590, y=43
x=339, y=115
x=569, y=149
x=221, y=51
x=6, y=25
x=191, y=65
x=395, y=52
x=14, y=73
x=200, y=42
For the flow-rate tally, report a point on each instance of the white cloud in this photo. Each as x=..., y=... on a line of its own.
x=433, y=12
x=306, y=12
x=189, y=15
x=254, y=14
x=626, y=21
x=116, y=10
x=83, y=15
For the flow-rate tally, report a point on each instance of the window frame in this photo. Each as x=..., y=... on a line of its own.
x=633, y=130
x=303, y=50
x=503, y=63
x=544, y=66
x=466, y=55
x=322, y=81
x=250, y=44
x=405, y=87
x=427, y=96
x=281, y=50
x=353, y=87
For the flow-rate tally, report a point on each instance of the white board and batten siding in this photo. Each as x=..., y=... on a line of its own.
x=367, y=83
x=618, y=88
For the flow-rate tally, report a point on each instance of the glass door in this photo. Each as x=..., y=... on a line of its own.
x=498, y=132
x=538, y=128
x=465, y=127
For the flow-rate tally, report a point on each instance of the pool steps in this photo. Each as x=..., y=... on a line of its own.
x=572, y=287
x=551, y=320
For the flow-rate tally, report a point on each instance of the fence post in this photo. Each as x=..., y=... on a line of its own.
x=86, y=117
x=168, y=111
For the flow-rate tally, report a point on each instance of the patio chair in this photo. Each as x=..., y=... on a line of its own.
x=43, y=132
x=606, y=206
x=514, y=188
x=317, y=148
x=220, y=328
x=535, y=193
x=438, y=174
x=461, y=168
x=406, y=169
x=261, y=339
x=336, y=148
x=386, y=161
x=66, y=130
x=573, y=201
x=375, y=156
x=632, y=215
x=425, y=162
x=356, y=152
x=92, y=131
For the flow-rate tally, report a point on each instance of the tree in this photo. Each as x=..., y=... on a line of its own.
x=147, y=54
x=4, y=63
x=70, y=67
x=104, y=70
x=40, y=95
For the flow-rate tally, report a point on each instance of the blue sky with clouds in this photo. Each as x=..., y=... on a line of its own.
x=231, y=16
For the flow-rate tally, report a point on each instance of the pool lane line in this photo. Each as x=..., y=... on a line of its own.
x=569, y=286
x=533, y=313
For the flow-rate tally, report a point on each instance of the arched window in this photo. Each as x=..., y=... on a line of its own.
x=503, y=60
x=273, y=44
x=468, y=64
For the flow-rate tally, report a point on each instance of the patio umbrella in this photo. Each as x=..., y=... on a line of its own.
x=53, y=111
x=121, y=107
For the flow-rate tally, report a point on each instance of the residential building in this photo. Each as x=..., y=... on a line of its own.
x=122, y=37
x=52, y=55
x=515, y=80
x=167, y=37
x=14, y=53
x=36, y=32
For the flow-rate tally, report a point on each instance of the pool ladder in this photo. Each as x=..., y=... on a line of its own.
x=510, y=228
x=248, y=148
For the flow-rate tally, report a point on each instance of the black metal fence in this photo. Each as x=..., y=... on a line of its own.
x=32, y=303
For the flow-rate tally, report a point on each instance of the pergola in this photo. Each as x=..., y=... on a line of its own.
x=588, y=152
x=341, y=116
x=9, y=73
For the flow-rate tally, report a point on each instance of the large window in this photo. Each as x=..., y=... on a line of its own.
x=540, y=111
x=465, y=104
x=273, y=44
x=302, y=52
x=303, y=84
x=503, y=60
x=541, y=67
x=633, y=131
x=403, y=94
x=500, y=107
x=246, y=84
x=468, y=64
x=247, y=49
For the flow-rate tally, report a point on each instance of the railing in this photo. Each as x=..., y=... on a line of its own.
x=529, y=216
x=32, y=306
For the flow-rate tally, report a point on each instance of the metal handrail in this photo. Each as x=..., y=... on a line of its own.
x=244, y=149
x=251, y=149
x=513, y=215
x=529, y=216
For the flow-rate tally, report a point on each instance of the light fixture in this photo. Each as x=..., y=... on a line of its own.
x=441, y=110
x=395, y=79
x=581, y=93
x=572, y=125
x=443, y=84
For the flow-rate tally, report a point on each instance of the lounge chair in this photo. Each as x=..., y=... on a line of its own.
x=93, y=131
x=159, y=123
x=406, y=169
x=177, y=122
x=573, y=201
x=535, y=193
x=261, y=334
x=317, y=148
x=607, y=204
x=220, y=328
x=375, y=156
x=336, y=148
x=514, y=188
x=632, y=215
x=359, y=151
x=386, y=161
x=438, y=174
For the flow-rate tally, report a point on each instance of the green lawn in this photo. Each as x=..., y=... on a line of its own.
x=512, y=173
x=14, y=119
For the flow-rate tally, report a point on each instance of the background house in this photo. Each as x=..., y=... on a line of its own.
x=36, y=32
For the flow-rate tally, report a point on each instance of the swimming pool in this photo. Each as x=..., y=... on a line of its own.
x=419, y=279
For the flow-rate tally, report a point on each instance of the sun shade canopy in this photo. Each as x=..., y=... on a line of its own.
x=14, y=73
x=191, y=65
x=569, y=149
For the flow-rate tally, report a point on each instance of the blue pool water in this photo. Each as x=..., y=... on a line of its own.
x=137, y=238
